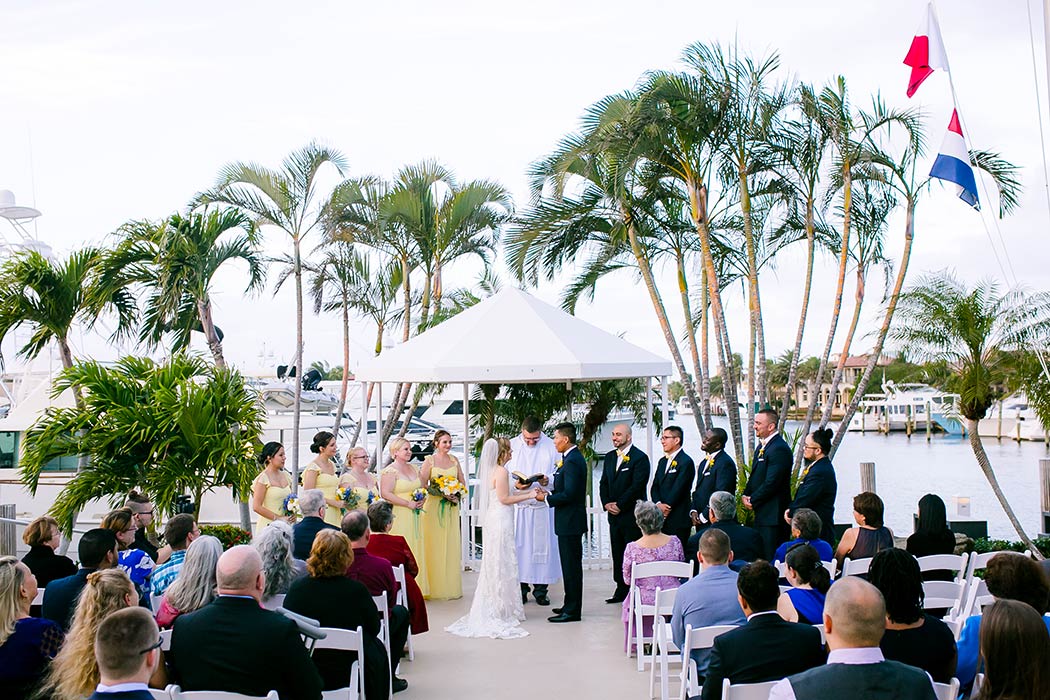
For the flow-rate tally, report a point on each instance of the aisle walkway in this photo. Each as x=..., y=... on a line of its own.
x=572, y=660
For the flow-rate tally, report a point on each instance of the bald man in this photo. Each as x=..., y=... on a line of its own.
x=854, y=621
x=233, y=644
x=625, y=475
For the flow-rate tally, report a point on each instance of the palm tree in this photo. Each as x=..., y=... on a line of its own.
x=286, y=199
x=974, y=331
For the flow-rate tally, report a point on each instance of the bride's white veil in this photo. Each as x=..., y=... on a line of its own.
x=489, y=453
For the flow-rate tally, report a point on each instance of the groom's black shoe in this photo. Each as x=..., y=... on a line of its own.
x=564, y=618
x=542, y=599
x=616, y=599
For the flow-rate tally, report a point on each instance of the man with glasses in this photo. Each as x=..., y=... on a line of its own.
x=533, y=453
x=672, y=485
x=818, y=487
x=127, y=649
x=179, y=533
x=143, y=509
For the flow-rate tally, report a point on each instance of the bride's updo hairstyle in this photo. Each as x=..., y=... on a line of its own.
x=503, y=456
x=321, y=441
x=823, y=437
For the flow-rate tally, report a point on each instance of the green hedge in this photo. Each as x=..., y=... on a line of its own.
x=984, y=545
x=229, y=535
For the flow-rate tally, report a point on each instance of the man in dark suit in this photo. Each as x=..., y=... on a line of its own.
x=721, y=514
x=97, y=550
x=127, y=650
x=716, y=473
x=818, y=486
x=768, y=491
x=234, y=644
x=854, y=621
x=672, y=485
x=569, y=501
x=312, y=503
x=625, y=474
x=767, y=648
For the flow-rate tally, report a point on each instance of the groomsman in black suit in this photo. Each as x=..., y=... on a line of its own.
x=716, y=473
x=625, y=474
x=768, y=491
x=569, y=501
x=818, y=486
x=671, y=486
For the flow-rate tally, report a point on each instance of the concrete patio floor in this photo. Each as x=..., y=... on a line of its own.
x=572, y=660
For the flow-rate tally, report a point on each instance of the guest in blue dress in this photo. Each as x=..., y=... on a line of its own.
x=27, y=644
x=136, y=563
x=805, y=529
x=810, y=581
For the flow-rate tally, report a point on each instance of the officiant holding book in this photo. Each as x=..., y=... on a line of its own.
x=625, y=475
x=534, y=539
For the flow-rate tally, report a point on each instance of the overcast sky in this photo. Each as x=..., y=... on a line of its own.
x=123, y=110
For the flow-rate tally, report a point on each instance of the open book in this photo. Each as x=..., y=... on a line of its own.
x=526, y=480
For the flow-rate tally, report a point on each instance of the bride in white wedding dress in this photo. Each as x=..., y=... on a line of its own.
x=496, y=610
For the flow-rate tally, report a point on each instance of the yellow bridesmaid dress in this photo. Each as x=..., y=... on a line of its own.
x=409, y=523
x=328, y=483
x=441, y=542
x=274, y=499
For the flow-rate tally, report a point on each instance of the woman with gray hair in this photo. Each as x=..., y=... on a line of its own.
x=195, y=585
x=653, y=545
x=274, y=545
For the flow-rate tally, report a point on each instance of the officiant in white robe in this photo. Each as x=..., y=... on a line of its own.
x=534, y=538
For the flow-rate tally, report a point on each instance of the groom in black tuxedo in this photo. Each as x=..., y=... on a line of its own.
x=672, y=485
x=569, y=500
x=768, y=490
x=625, y=473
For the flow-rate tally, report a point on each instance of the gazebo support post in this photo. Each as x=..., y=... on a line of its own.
x=379, y=427
x=467, y=529
x=649, y=416
x=663, y=402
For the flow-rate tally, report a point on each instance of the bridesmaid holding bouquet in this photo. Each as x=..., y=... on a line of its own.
x=441, y=536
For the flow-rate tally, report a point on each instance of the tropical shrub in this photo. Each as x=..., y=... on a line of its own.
x=229, y=535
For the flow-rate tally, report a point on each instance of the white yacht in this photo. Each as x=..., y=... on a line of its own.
x=1012, y=418
x=910, y=403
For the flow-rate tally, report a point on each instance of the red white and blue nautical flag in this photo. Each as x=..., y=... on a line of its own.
x=927, y=51
x=953, y=163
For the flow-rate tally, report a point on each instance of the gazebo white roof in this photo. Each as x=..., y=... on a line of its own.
x=513, y=337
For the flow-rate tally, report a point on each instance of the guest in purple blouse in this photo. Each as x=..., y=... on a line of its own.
x=653, y=545
x=27, y=644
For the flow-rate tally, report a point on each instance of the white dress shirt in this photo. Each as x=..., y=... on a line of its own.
x=864, y=655
x=121, y=688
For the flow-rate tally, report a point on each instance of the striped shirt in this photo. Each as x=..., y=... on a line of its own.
x=165, y=574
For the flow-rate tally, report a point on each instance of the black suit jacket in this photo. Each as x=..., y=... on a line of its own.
x=234, y=645
x=624, y=487
x=568, y=496
x=671, y=486
x=61, y=595
x=765, y=649
x=744, y=541
x=770, y=484
x=817, y=492
x=721, y=477
x=303, y=533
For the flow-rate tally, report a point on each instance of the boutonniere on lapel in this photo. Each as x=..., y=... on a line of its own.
x=762, y=452
x=626, y=458
x=557, y=466
x=674, y=466
x=710, y=463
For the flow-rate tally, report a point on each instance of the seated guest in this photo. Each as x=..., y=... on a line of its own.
x=710, y=597
x=932, y=536
x=854, y=620
x=195, y=586
x=809, y=580
x=43, y=537
x=274, y=545
x=1016, y=652
x=721, y=512
x=135, y=562
x=1009, y=576
x=805, y=529
x=395, y=549
x=328, y=596
x=27, y=644
x=653, y=545
x=377, y=575
x=870, y=536
x=179, y=533
x=817, y=485
x=767, y=648
x=97, y=551
x=314, y=507
x=142, y=508
x=74, y=673
x=127, y=651
x=912, y=636
x=236, y=645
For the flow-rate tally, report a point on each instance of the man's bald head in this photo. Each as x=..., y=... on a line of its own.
x=621, y=435
x=857, y=612
x=238, y=569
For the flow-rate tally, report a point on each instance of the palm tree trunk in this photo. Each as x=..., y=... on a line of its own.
x=83, y=460
x=705, y=367
x=808, y=286
x=401, y=391
x=840, y=366
x=690, y=336
x=756, y=381
x=989, y=473
x=346, y=365
x=751, y=330
x=297, y=407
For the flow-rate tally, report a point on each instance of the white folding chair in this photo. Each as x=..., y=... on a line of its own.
x=944, y=594
x=384, y=631
x=38, y=599
x=402, y=599
x=823, y=634
x=978, y=681
x=831, y=566
x=977, y=595
x=637, y=611
x=346, y=640
x=856, y=567
x=179, y=694
x=946, y=562
x=274, y=602
x=159, y=694
x=165, y=640
x=746, y=691
x=663, y=644
x=955, y=626
x=947, y=691
x=700, y=638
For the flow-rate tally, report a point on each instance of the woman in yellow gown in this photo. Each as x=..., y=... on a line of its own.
x=396, y=484
x=320, y=474
x=271, y=487
x=441, y=537
x=357, y=477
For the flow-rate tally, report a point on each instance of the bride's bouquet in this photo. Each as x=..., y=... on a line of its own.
x=291, y=506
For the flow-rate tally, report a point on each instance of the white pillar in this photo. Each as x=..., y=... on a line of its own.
x=649, y=420
x=362, y=430
x=466, y=527
x=663, y=400
x=379, y=426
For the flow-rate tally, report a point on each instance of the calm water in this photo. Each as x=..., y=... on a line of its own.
x=906, y=469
